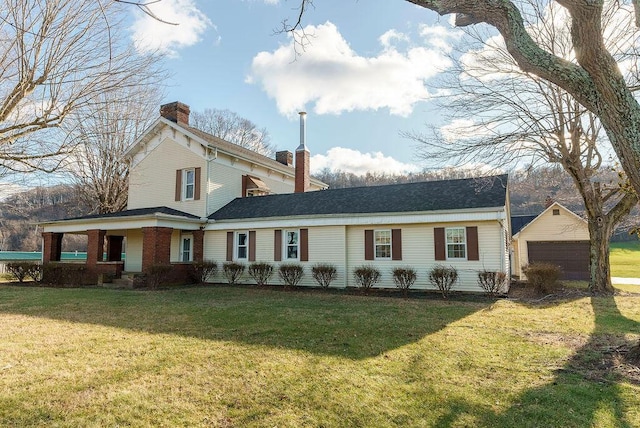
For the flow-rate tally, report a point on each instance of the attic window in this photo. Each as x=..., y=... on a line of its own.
x=556, y=212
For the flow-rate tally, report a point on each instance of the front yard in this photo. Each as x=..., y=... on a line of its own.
x=223, y=356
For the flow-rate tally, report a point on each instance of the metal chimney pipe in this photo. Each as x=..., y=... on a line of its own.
x=303, y=131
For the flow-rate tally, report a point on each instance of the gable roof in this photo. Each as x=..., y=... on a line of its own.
x=469, y=193
x=520, y=221
x=209, y=141
x=516, y=233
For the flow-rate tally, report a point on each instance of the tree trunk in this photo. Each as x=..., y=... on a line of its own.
x=600, y=234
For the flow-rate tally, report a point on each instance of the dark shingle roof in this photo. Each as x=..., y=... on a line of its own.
x=481, y=192
x=137, y=212
x=520, y=221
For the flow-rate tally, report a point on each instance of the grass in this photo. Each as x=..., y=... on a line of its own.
x=224, y=356
x=625, y=259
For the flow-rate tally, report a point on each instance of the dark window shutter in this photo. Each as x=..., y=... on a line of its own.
x=368, y=244
x=178, y=184
x=396, y=244
x=252, y=245
x=438, y=239
x=277, y=245
x=304, y=245
x=472, y=243
x=229, y=246
x=196, y=190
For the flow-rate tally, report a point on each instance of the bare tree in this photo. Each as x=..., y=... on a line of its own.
x=504, y=115
x=57, y=57
x=230, y=127
x=97, y=165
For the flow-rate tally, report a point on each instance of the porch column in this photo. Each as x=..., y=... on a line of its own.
x=198, y=245
x=156, y=246
x=114, y=248
x=51, y=247
x=95, y=246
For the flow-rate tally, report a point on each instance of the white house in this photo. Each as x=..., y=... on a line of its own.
x=194, y=197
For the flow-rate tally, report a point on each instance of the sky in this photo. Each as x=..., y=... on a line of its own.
x=367, y=72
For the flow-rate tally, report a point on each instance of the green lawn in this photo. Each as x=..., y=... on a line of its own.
x=223, y=356
x=625, y=259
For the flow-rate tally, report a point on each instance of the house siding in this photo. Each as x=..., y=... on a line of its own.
x=418, y=252
x=547, y=227
x=225, y=180
x=152, y=181
x=343, y=247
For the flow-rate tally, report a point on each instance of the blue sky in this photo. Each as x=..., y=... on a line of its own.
x=367, y=73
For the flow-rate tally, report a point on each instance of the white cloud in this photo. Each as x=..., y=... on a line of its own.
x=461, y=129
x=354, y=161
x=334, y=78
x=150, y=34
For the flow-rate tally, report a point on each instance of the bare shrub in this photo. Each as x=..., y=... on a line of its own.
x=542, y=276
x=156, y=274
x=291, y=274
x=201, y=271
x=443, y=278
x=492, y=282
x=261, y=272
x=366, y=277
x=324, y=274
x=404, y=278
x=233, y=271
x=22, y=270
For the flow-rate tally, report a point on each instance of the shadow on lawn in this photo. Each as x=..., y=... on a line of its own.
x=584, y=392
x=354, y=327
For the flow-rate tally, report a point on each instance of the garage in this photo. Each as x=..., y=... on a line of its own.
x=571, y=256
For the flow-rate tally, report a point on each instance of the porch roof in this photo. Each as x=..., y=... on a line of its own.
x=127, y=219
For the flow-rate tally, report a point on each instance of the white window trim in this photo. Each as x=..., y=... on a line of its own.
x=236, y=245
x=285, y=245
x=182, y=239
x=375, y=253
x=447, y=243
x=185, y=184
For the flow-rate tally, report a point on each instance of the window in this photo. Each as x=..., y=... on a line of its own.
x=291, y=243
x=556, y=212
x=188, y=184
x=242, y=245
x=186, y=253
x=456, y=240
x=382, y=239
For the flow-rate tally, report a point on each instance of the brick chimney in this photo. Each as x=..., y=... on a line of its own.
x=285, y=157
x=176, y=112
x=303, y=177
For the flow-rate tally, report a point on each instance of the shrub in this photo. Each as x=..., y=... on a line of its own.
x=291, y=274
x=233, y=271
x=443, y=278
x=542, y=276
x=492, y=282
x=201, y=271
x=260, y=272
x=155, y=275
x=59, y=274
x=324, y=274
x=366, y=277
x=22, y=270
x=404, y=278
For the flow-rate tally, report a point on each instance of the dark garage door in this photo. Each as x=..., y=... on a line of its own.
x=572, y=257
